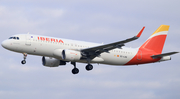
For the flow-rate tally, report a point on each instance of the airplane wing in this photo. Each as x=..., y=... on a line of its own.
x=96, y=51
x=165, y=54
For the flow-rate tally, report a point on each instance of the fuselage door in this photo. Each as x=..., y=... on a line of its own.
x=28, y=40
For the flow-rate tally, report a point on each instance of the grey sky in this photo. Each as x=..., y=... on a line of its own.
x=95, y=21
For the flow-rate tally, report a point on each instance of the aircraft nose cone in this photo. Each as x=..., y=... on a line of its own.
x=4, y=44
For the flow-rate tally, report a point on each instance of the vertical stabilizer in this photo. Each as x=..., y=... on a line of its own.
x=156, y=41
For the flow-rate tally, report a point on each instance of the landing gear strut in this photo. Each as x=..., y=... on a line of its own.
x=24, y=61
x=74, y=70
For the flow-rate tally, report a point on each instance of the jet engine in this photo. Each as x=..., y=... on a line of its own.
x=71, y=55
x=52, y=62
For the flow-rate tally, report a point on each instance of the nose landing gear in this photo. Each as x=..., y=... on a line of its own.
x=24, y=61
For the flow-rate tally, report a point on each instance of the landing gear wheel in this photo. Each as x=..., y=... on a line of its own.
x=75, y=71
x=23, y=61
x=89, y=67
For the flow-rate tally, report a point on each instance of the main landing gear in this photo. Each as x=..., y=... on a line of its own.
x=89, y=67
x=75, y=70
x=24, y=61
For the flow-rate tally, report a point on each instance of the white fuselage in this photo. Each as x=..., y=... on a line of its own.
x=45, y=46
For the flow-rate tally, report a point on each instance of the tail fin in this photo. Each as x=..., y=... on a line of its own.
x=156, y=41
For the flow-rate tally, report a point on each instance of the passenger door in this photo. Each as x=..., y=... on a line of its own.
x=28, y=40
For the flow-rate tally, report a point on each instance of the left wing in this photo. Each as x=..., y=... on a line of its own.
x=92, y=52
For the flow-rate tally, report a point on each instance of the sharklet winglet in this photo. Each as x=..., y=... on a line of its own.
x=140, y=32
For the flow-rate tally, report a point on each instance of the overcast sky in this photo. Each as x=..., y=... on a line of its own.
x=94, y=21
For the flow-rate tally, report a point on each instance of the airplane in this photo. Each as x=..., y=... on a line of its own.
x=59, y=51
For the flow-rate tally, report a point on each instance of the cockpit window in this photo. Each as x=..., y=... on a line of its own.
x=16, y=38
x=11, y=38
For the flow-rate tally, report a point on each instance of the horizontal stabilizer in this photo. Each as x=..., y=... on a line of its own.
x=165, y=54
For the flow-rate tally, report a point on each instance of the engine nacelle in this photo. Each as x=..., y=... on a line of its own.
x=71, y=55
x=165, y=58
x=52, y=62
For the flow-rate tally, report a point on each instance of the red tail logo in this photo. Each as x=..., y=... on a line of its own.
x=156, y=40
